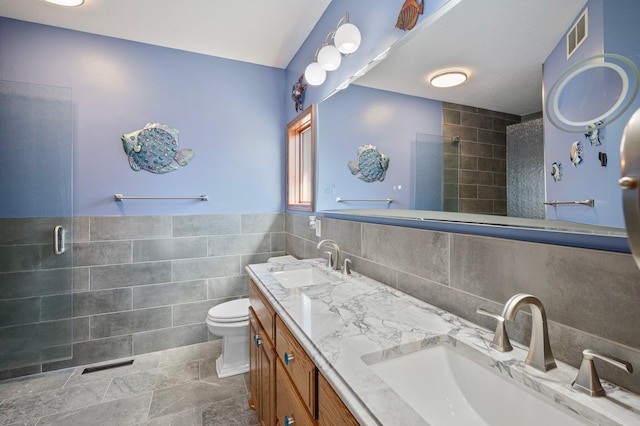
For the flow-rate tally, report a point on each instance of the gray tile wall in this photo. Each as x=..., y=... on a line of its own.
x=483, y=183
x=592, y=297
x=140, y=283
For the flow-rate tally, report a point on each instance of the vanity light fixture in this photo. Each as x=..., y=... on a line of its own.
x=448, y=79
x=68, y=3
x=343, y=40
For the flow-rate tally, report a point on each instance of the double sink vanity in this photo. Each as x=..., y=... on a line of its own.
x=335, y=348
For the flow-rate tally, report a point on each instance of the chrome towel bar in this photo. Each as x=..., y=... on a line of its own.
x=386, y=200
x=590, y=202
x=120, y=197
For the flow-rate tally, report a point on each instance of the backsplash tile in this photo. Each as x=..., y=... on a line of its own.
x=591, y=297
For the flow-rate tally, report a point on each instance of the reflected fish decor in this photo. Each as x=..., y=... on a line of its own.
x=154, y=148
x=556, y=172
x=575, y=155
x=372, y=164
x=297, y=93
x=408, y=16
x=594, y=134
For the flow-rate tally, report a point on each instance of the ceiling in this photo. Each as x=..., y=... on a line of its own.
x=261, y=32
x=500, y=43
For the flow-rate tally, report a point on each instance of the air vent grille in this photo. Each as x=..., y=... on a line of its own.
x=578, y=33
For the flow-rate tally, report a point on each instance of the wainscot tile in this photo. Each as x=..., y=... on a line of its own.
x=169, y=294
x=167, y=338
x=114, y=276
x=226, y=245
x=101, y=253
x=262, y=222
x=129, y=227
x=102, y=302
x=194, y=269
x=195, y=225
x=168, y=249
x=218, y=288
x=120, y=323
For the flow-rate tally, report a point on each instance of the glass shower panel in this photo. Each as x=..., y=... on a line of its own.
x=36, y=218
x=437, y=173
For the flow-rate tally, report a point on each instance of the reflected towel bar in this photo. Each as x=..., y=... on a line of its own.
x=386, y=200
x=590, y=202
x=120, y=197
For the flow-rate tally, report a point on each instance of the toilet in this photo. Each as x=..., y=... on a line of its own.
x=230, y=320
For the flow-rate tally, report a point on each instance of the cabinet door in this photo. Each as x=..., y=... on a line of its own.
x=267, y=381
x=254, y=328
x=291, y=410
x=331, y=410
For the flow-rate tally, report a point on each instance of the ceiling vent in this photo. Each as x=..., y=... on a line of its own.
x=578, y=33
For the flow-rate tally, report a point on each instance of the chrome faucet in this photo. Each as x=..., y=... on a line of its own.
x=331, y=263
x=540, y=356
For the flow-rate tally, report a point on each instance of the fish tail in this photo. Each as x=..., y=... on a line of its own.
x=184, y=156
x=353, y=167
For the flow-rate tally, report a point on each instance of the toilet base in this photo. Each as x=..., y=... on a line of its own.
x=228, y=371
x=235, y=355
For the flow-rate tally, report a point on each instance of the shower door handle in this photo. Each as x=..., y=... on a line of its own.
x=58, y=240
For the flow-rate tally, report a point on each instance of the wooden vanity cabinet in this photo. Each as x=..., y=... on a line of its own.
x=286, y=387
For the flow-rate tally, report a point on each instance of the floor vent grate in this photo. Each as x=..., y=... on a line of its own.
x=107, y=366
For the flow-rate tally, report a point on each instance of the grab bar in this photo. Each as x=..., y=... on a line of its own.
x=120, y=197
x=386, y=200
x=590, y=202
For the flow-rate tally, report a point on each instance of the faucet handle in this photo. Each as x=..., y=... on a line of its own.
x=587, y=379
x=500, y=338
x=346, y=267
x=329, y=259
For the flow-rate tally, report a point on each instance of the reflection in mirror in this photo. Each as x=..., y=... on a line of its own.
x=300, y=160
x=504, y=91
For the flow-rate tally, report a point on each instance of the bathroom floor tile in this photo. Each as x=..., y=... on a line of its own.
x=175, y=387
x=121, y=412
x=231, y=412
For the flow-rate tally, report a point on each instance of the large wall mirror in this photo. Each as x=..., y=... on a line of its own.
x=513, y=55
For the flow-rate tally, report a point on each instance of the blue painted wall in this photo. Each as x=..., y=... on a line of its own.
x=611, y=30
x=230, y=113
x=360, y=116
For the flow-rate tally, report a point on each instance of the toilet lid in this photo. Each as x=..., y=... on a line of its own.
x=232, y=311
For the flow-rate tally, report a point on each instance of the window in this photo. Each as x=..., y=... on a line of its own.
x=300, y=161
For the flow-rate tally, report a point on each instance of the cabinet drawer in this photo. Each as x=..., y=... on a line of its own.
x=297, y=364
x=289, y=407
x=263, y=309
x=331, y=410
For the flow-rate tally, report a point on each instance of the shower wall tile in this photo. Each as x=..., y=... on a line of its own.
x=93, y=351
x=169, y=248
x=102, y=302
x=169, y=294
x=129, y=227
x=19, y=311
x=101, y=253
x=143, y=282
x=129, y=275
x=168, y=338
x=129, y=322
x=188, y=226
x=226, y=245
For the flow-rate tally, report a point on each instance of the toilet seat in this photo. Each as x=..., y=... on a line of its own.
x=228, y=312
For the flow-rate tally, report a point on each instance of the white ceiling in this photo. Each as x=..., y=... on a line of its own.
x=261, y=32
x=501, y=43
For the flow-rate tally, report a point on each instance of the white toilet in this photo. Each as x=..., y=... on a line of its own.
x=230, y=320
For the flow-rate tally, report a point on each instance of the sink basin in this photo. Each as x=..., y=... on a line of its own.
x=301, y=276
x=448, y=387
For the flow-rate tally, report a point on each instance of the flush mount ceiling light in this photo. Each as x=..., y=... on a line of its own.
x=343, y=40
x=448, y=79
x=69, y=3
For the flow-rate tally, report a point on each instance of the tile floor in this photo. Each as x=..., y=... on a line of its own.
x=176, y=387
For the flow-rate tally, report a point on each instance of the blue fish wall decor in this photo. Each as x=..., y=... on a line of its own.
x=372, y=164
x=154, y=149
x=297, y=93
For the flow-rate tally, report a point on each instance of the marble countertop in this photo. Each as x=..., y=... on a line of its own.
x=347, y=325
